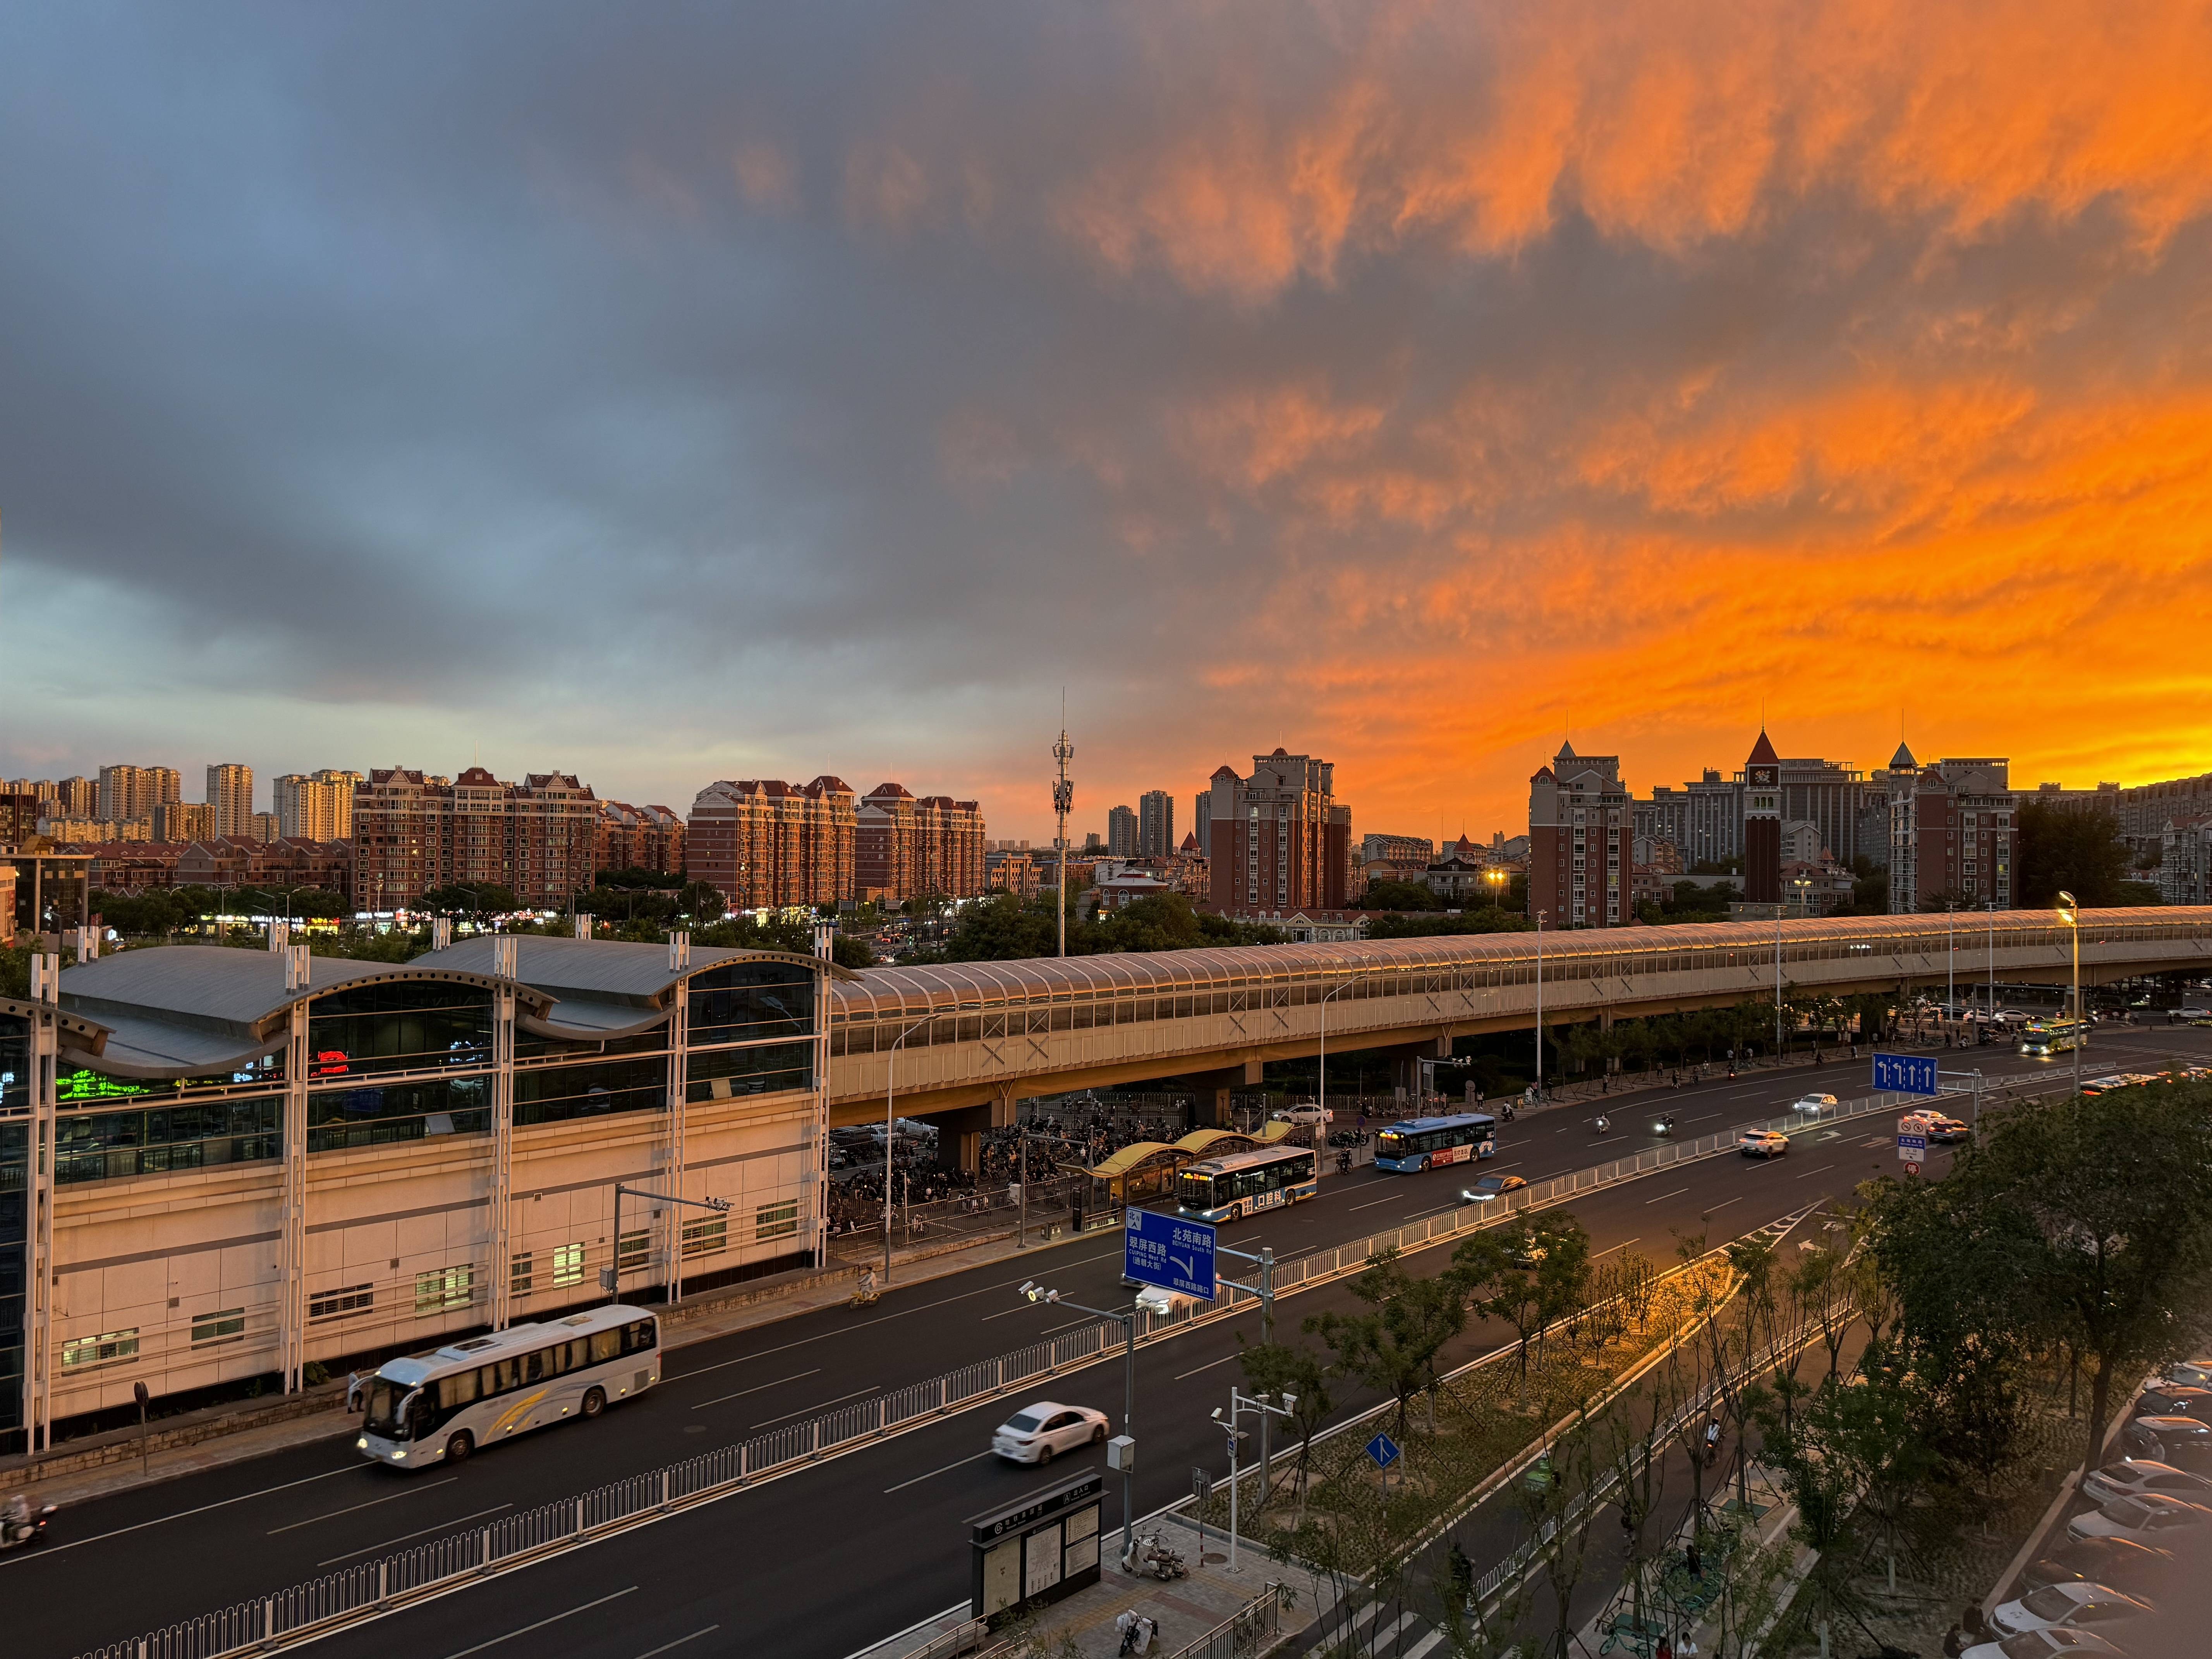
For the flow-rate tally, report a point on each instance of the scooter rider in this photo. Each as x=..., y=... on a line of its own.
x=15, y=1517
x=1603, y=1123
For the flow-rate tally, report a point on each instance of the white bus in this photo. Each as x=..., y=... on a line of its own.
x=439, y=1406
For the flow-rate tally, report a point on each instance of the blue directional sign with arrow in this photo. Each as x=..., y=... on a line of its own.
x=1384, y=1450
x=1906, y=1075
x=1169, y=1251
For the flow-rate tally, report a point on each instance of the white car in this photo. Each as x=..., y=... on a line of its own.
x=2133, y=1476
x=2058, y=1644
x=1813, y=1105
x=1305, y=1112
x=1763, y=1143
x=2071, y=1607
x=2147, y=1519
x=1035, y=1433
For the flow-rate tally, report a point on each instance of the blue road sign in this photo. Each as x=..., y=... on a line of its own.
x=1906, y=1075
x=1168, y=1251
x=1384, y=1450
x=1912, y=1149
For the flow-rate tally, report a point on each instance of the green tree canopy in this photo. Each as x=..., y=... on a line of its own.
x=2079, y=852
x=1395, y=1347
x=471, y=899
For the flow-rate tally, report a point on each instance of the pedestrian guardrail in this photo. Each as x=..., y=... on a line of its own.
x=312, y=1609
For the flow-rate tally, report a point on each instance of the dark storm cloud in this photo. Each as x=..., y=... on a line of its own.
x=804, y=388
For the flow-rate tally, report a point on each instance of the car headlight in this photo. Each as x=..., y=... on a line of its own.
x=362, y=1444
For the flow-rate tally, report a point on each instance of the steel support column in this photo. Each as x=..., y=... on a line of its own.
x=679, y=1066
x=39, y=1305
x=292, y=1246
x=502, y=1134
x=817, y=1169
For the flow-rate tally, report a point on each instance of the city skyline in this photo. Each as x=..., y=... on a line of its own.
x=787, y=382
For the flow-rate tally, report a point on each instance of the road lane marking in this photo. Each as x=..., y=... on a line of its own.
x=1372, y=1202
x=553, y=1619
x=669, y=1647
x=1819, y=1170
x=45, y=1550
x=757, y=1387
x=1723, y=1205
x=873, y=1388
x=461, y=1521
x=1208, y=1366
x=958, y=1462
x=1663, y=1197
x=354, y=1509
x=1623, y=1245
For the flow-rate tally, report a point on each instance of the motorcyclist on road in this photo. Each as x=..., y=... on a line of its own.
x=1603, y=1123
x=15, y=1517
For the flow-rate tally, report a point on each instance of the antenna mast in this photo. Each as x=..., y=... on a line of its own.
x=1063, y=798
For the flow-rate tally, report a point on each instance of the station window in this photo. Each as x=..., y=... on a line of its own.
x=209, y=1329
x=567, y=1264
x=709, y=1236
x=444, y=1287
x=520, y=1274
x=337, y=1304
x=106, y=1349
x=776, y=1220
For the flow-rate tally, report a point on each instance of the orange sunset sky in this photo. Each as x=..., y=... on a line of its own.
x=1406, y=384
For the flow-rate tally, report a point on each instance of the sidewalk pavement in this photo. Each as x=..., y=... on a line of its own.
x=1184, y=1609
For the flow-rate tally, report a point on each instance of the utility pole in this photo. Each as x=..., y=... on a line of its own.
x=1063, y=798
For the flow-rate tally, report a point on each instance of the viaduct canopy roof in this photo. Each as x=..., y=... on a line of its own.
x=892, y=993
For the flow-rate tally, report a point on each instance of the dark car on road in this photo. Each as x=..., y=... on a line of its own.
x=2184, y=1442
x=2114, y=1561
x=2170, y=1400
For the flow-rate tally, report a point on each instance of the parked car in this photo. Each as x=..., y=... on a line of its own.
x=1763, y=1143
x=1035, y=1433
x=2179, y=1401
x=2059, y=1644
x=1488, y=1187
x=2191, y=1373
x=2184, y=1442
x=1309, y=1112
x=2114, y=1561
x=2150, y=1519
x=2067, y=1606
x=1813, y=1105
x=2132, y=1476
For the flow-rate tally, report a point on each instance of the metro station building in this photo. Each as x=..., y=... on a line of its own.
x=261, y=1160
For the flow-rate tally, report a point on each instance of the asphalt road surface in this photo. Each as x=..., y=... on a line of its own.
x=822, y=1562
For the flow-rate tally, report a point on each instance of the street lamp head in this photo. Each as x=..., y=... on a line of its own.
x=2068, y=909
x=1216, y=1414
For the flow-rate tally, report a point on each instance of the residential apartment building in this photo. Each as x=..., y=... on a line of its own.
x=1396, y=858
x=135, y=792
x=1155, y=835
x=230, y=792
x=1952, y=832
x=316, y=805
x=1022, y=872
x=68, y=798
x=416, y=832
x=905, y=845
x=185, y=821
x=20, y=814
x=1704, y=819
x=1121, y=833
x=2184, y=870
x=768, y=844
x=1281, y=842
x=640, y=838
x=1201, y=819
x=1581, y=839
x=273, y=865
x=1829, y=795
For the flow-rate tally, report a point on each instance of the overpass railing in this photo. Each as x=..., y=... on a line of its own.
x=307, y=1611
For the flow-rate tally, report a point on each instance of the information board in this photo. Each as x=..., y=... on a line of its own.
x=1169, y=1251
x=1906, y=1075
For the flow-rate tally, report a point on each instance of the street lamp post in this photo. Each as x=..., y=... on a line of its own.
x=2069, y=912
x=1128, y=1321
x=1540, y=914
x=890, y=1128
x=1320, y=1090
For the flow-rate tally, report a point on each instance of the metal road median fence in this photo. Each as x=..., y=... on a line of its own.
x=314, y=1608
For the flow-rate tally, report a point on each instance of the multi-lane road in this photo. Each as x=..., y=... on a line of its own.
x=823, y=1561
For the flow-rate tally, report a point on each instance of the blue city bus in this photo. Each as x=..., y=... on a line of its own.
x=1430, y=1143
x=1243, y=1183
